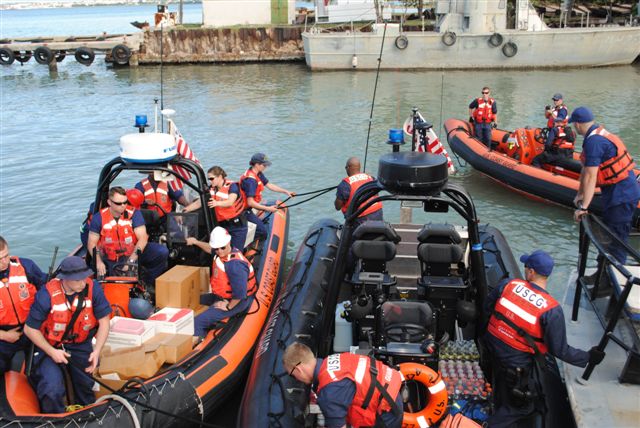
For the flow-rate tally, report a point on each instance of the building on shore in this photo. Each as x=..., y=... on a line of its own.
x=219, y=13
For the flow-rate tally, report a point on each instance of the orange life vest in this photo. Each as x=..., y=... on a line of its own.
x=222, y=194
x=617, y=168
x=484, y=112
x=562, y=141
x=357, y=368
x=16, y=295
x=61, y=313
x=523, y=305
x=117, y=238
x=159, y=195
x=551, y=122
x=250, y=174
x=354, y=182
x=220, y=285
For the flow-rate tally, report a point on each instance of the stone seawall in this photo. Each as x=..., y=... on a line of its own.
x=207, y=45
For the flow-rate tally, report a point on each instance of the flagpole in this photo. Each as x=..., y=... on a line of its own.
x=161, y=71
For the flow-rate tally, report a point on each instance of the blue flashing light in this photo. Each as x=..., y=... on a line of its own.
x=396, y=136
x=141, y=121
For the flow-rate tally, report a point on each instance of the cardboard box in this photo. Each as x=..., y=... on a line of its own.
x=173, y=320
x=179, y=287
x=173, y=346
x=131, y=362
x=205, y=280
x=112, y=380
x=129, y=332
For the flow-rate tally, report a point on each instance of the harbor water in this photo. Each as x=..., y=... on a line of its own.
x=58, y=129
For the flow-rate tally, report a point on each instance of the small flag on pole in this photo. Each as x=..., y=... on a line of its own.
x=183, y=150
x=426, y=140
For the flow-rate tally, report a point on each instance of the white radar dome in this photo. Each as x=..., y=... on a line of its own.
x=147, y=148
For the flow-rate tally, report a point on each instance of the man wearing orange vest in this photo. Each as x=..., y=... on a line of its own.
x=160, y=194
x=351, y=392
x=68, y=312
x=558, y=146
x=19, y=280
x=233, y=282
x=347, y=188
x=118, y=232
x=253, y=182
x=607, y=164
x=483, y=112
x=526, y=322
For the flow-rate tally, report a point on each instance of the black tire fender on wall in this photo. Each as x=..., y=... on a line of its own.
x=43, y=55
x=85, y=55
x=6, y=56
x=510, y=49
x=402, y=42
x=449, y=38
x=496, y=40
x=121, y=54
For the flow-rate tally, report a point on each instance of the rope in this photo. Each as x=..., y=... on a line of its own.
x=125, y=403
x=373, y=101
x=453, y=151
x=319, y=192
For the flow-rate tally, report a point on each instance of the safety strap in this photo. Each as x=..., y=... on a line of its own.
x=76, y=314
x=531, y=341
x=375, y=384
x=15, y=311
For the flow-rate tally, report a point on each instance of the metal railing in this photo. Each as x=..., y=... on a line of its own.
x=594, y=231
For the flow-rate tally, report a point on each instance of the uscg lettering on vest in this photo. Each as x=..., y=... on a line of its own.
x=358, y=177
x=333, y=362
x=530, y=296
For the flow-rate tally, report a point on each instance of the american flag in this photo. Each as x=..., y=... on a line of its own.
x=183, y=150
x=427, y=140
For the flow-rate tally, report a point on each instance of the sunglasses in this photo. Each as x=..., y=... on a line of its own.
x=485, y=93
x=211, y=178
x=218, y=249
x=293, y=369
x=118, y=203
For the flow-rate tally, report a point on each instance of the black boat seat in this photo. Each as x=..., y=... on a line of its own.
x=371, y=258
x=439, y=233
x=406, y=321
x=569, y=164
x=376, y=230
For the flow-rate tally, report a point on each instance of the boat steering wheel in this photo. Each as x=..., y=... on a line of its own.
x=405, y=332
x=541, y=136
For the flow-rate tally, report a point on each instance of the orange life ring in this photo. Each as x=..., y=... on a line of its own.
x=438, y=398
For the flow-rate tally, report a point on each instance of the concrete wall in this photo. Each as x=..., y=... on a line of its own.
x=220, y=13
x=222, y=45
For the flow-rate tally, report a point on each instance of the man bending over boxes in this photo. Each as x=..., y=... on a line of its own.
x=233, y=282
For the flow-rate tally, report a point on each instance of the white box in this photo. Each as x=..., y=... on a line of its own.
x=117, y=340
x=183, y=324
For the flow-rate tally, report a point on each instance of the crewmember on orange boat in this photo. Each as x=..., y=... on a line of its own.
x=253, y=183
x=606, y=163
x=119, y=233
x=233, y=282
x=558, y=146
x=229, y=205
x=526, y=322
x=556, y=116
x=159, y=196
x=483, y=112
x=20, y=278
x=67, y=314
x=350, y=391
x=347, y=188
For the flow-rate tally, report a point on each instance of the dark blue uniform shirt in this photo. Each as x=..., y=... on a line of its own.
x=96, y=221
x=42, y=306
x=34, y=275
x=598, y=149
x=250, y=185
x=554, y=336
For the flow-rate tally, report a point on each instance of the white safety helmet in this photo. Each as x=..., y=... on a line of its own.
x=219, y=237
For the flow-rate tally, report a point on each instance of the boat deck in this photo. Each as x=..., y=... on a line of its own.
x=602, y=401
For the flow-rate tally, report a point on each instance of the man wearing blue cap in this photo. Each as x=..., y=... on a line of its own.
x=66, y=315
x=253, y=183
x=607, y=164
x=526, y=322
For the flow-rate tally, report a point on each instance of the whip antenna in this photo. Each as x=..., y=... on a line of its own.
x=373, y=101
x=161, y=73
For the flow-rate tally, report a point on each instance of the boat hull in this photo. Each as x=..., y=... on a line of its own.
x=531, y=181
x=567, y=47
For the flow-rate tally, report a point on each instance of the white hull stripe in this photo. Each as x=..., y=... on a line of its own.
x=531, y=319
x=437, y=387
x=361, y=370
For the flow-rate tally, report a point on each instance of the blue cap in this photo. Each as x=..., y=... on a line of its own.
x=557, y=96
x=260, y=158
x=539, y=261
x=74, y=268
x=581, y=115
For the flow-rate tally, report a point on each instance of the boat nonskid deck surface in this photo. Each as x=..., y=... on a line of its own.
x=602, y=401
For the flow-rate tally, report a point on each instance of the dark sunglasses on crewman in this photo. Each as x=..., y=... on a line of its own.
x=118, y=203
